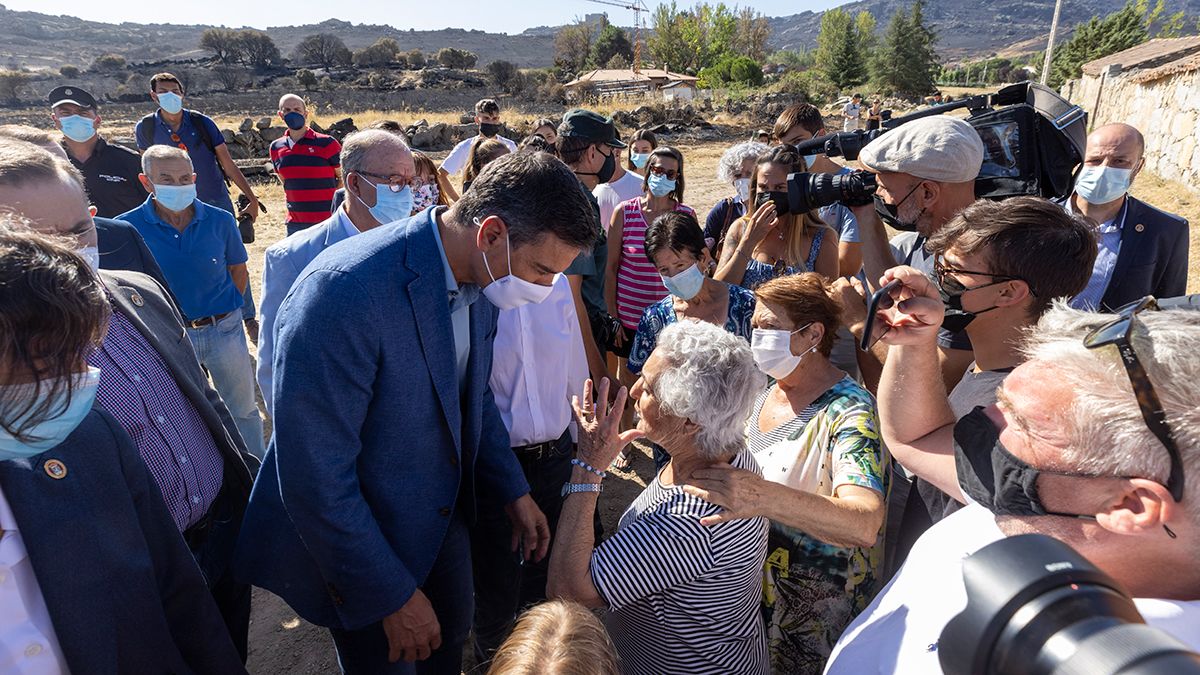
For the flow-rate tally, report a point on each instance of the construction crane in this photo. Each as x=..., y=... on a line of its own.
x=638, y=6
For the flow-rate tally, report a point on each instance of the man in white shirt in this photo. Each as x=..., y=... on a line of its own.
x=851, y=112
x=538, y=364
x=623, y=186
x=1068, y=451
x=487, y=116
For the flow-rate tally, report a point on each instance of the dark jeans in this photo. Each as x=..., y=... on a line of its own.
x=503, y=584
x=211, y=542
x=448, y=587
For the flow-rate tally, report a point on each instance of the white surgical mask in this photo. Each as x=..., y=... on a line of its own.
x=175, y=197
x=170, y=102
x=389, y=206
x=92, y=255
x=773, y=351
x=1102, y=184
x=511, y=291
x=742, y=185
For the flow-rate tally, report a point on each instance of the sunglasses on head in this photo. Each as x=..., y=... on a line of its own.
x=671, y=174
x=1119, y=333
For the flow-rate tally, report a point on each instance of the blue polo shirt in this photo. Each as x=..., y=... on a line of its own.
x=210, y=182
x=195, y=261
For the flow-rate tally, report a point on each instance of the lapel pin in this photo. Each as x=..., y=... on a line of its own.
x=136, y=299
x=55, y=469
x=1139, y=227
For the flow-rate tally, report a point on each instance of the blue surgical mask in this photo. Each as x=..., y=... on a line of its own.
x=175, y=197
x=639, y=159
x=809, y=159
x=78, y=128
x=49, y=433
x=1102, y=184
x=686, y=284
x=170, y=102
x=389, y=206
x=294, y=120
x=660, y=186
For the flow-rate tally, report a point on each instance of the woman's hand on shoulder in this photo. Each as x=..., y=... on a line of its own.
x=739, y=493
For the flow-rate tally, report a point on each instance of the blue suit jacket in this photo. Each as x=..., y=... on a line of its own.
x=372, y=451
x=122, y=589
x=122, y=248
x=282, y=265
x=1153, y=259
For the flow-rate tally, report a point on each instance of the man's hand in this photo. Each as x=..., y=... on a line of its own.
x=529, y=528
x=851, y=295
x=916, y=315
x=412, y=631
x=252, y=209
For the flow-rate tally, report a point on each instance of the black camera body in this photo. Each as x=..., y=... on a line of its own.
x=1033, y=141
x=1036, y=607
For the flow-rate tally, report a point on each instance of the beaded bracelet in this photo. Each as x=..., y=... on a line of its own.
x=588, y=467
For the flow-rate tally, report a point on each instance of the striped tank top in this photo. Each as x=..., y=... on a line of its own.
x=638, y=283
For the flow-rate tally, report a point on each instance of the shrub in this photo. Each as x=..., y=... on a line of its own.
x=69, y=72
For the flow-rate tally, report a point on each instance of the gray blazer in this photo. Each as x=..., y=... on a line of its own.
x=148, y=308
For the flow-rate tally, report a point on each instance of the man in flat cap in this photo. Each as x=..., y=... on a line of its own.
x=110, y=172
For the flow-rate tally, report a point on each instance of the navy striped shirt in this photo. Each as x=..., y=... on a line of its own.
x=684, y=596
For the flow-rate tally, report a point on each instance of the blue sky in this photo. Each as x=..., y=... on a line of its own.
x=504, y=16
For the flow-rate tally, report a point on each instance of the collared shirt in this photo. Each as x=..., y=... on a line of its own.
x=138, y=390
x=308, y=169
x=459, y=299
x=195, y=261
x=110, y=176
x=456, y=161
x=28, y=643
x=347, y=225
x=210, y=182
x=1108, y=247
x=538, y=363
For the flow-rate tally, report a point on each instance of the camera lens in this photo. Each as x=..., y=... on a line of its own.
x=808, y=191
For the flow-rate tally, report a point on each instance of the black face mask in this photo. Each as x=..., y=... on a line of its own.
x=957, y=318
x=890, y=213
x=990, y=475
x=780, y=198
x=606, y=171
x=488, y=130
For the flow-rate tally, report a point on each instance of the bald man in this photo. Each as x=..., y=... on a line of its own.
x=1142, y=250
x=308, y=164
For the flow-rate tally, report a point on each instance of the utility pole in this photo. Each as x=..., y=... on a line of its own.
x=1050, y=42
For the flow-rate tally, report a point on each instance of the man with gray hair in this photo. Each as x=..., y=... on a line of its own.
x=379, y=168
x=1091, y=441
x=670, y=581
x=201, y=253
x=307, y=163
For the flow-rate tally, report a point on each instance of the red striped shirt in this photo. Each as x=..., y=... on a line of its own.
x=638, y=283
x=308, y=171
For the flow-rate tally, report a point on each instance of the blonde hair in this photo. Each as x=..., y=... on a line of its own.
x=556, y=638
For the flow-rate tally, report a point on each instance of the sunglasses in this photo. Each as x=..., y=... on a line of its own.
x=178, y=142
x=1118, y=333
x=671, y=174
x=953, y=286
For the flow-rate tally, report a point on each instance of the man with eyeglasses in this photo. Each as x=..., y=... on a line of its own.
x=307, y=163
x=998, y=266
x=379, y=170
x=1091, y=441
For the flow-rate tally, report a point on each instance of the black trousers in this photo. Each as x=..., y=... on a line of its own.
x=212, y=541
x=504, y=583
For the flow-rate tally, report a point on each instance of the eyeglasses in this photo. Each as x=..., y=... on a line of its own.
x=178, y=142
x=955, y=287
x=395, y=183
x=671, y=174
x=1118, y=333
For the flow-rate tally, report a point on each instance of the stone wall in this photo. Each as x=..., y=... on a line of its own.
x=1165, y=110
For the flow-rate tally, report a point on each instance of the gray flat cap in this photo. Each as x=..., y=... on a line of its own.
x=938, y=148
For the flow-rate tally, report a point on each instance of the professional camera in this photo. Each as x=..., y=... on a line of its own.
x=1036, y=607
x=1033, y=140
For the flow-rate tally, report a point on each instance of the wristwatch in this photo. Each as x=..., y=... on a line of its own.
x=572, y=488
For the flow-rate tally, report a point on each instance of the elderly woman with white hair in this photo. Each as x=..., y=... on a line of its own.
x=736, y=168
x=684, y=596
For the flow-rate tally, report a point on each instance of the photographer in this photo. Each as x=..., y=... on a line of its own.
x=1069, y=451
x=926, y=174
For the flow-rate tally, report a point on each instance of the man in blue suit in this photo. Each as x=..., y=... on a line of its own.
x=385, y=423
x=1142, y=250
x=369, y=157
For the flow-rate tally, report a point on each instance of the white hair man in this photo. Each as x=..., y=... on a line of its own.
x=694, y=396
x=1093, y=441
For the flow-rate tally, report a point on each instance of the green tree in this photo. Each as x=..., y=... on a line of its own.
x=905, y=63
x=69, y=72
x=692, y=39
x=865, y=28
x=323, y=49
x=504, y=74
x=838, y=50
x=306, y=78
x=666, y=44
x=573, y=46
x=1173, y=26
x=380, y=54
x=415, y=58
x=222, y=42
x=1124, y=28
x=12, y=83
x=460, y=59
x=750, y=38
x=256, y=49
x=611, y=42
x=108, y=63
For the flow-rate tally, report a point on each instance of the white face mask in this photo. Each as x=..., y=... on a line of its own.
x=511, y=291
x=742, y=185
x=1102, y=184
x=773, y=351
x=92, y=255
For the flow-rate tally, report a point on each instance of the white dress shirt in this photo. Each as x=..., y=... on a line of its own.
x=460, y=311
x=538, y=363
x=28, y=644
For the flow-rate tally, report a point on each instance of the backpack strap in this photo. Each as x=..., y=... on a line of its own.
x=144, y=131
x=202, y=130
